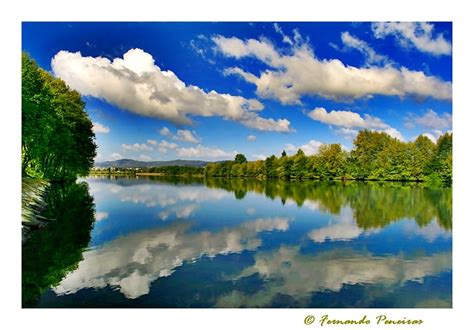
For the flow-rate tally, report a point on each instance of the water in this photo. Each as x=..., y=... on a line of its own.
x=169, y=242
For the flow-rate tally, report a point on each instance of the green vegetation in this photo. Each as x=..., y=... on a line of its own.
x=52, y=252
x=176, y=170
x=162, y=170
x=375, y=156
x=57, y=137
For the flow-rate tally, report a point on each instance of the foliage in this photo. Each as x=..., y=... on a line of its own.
x=375, y=156
x=240, y=159
x=57, y=137
x=175, y=170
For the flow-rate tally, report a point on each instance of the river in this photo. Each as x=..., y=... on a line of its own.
x=177, y=242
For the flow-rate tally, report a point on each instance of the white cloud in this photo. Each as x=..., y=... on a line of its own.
x=201, y=151
x=183, y=135
x=152, y=142
x=349, y=120
x=285, y=38
x=431, y=120
x=137, y=147
x=165, y=131
x=346, y=119
x=136, y=84
x=144, y=158
x=263, y=124
x=310, y=148
x=251, y=138
x=414, y=34
x=259, y=156
x=186, y=136
x=370, y=54
x=99, y=216
x=393, y=132
x=116, y=156
x=347, y=133
x=99, y=128
x=300, y=73
x=164, y=146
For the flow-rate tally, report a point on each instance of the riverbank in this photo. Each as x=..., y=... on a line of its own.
x=33, y=202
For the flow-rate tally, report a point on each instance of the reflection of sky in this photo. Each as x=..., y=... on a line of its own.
x=147, y=231
x=134, y=261
x=287, y=272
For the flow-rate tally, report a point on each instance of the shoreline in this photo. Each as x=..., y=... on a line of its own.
x=147, y=174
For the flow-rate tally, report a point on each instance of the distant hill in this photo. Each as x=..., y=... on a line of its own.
x=131, y=163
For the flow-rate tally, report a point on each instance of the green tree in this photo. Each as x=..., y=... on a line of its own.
x=240, y=159
x=270, y=167
x=298, y=168
x=368, y=154
x=330, y=161
x=57, y=136
x=442, y=164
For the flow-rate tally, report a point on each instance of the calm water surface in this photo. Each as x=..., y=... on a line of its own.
x=144, y=242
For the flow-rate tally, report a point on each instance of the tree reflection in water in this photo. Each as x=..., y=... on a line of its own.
x=55, y=250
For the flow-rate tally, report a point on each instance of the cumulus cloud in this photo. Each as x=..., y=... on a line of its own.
x=152, y=142
x=251, y=138
x=144, y=158
x=201, y=151
x=165, y=131
x=136, y=84
x=164, y=146
x=99, y=128
x=346, y=119
x=310, y=148
x=430, y=120
x=99, y=216
x=349, y=120
x=369, y=53
x=186, y=136
x=116, y=156
x=414, y=34
x=137, y=147
x=347, y=133
x=183, y=135
x=291, y=76
x=393, y=132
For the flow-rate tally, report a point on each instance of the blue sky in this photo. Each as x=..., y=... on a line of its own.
x=161, y=91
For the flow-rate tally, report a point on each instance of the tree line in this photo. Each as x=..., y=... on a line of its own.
x=375, y=156
x=57, y=136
